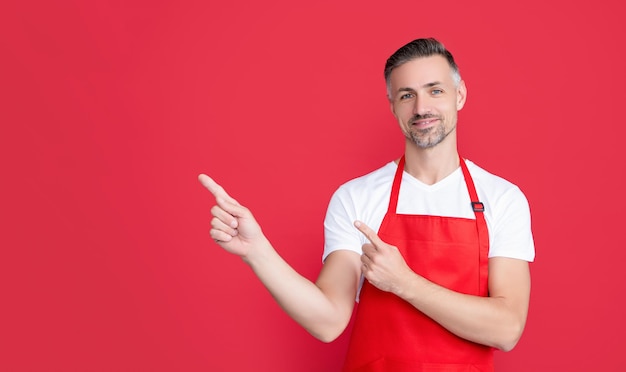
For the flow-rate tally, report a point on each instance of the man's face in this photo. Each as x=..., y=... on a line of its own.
x=425, y=100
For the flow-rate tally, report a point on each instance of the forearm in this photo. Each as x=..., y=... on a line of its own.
x=492, y=321
x=300, y=298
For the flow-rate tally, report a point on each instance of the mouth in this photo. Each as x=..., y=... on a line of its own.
x=424, y=122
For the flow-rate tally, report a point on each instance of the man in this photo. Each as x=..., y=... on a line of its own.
x=435, y=248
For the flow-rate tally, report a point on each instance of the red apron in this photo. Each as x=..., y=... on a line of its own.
x=389, y=334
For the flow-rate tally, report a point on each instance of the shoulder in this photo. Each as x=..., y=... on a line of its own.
x=505, y=203
x=364, y=198
x=373, y=182
x=507, y=213
x=480, y=174
x=490, y=185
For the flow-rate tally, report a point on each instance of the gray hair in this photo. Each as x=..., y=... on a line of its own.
x=420, y=48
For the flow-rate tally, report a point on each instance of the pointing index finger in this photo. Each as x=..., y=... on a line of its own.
x=215, y=189
x=370, y=234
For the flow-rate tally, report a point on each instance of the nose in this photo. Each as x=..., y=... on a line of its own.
x=421, y=105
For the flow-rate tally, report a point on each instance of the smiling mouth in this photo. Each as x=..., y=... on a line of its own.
x=424, y=122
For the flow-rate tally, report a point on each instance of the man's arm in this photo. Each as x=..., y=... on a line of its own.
x=497, y=320
x=322, y=308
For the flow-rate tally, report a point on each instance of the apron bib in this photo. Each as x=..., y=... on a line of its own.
x=389, y=334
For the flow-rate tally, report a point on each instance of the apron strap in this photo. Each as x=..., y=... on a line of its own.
x=481, y=229
x=395, y=187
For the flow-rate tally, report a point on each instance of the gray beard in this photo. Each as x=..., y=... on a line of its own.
x=428, y=138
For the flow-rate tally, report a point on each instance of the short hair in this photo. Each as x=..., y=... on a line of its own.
x=420, y=48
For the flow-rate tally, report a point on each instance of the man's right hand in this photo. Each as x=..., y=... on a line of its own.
x=232, y=227
x=322, y=308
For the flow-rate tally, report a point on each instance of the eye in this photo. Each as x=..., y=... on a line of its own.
x=436, y=91
x=406, y=96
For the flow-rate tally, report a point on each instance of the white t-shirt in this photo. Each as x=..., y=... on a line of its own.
x=367, y=199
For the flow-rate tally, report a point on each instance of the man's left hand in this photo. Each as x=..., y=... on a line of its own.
x=382, y=264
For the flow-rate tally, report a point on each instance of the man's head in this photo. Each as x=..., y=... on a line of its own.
x=420, y=48
x=425, y=92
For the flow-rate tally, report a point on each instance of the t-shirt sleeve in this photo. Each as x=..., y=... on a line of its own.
x=512, y=235
x=339, y=230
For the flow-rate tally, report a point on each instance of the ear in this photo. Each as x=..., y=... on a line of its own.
x=461, y=95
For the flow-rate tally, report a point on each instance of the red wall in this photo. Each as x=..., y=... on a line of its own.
x=110, y=109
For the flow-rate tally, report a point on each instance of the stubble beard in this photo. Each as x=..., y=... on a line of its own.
x=429, y=137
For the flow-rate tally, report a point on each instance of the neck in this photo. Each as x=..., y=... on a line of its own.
x=433, y=164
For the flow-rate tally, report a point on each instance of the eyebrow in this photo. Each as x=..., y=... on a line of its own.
x=427, y=85
x=434, y=83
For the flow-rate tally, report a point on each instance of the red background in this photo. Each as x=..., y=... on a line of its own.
x=110, y=109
